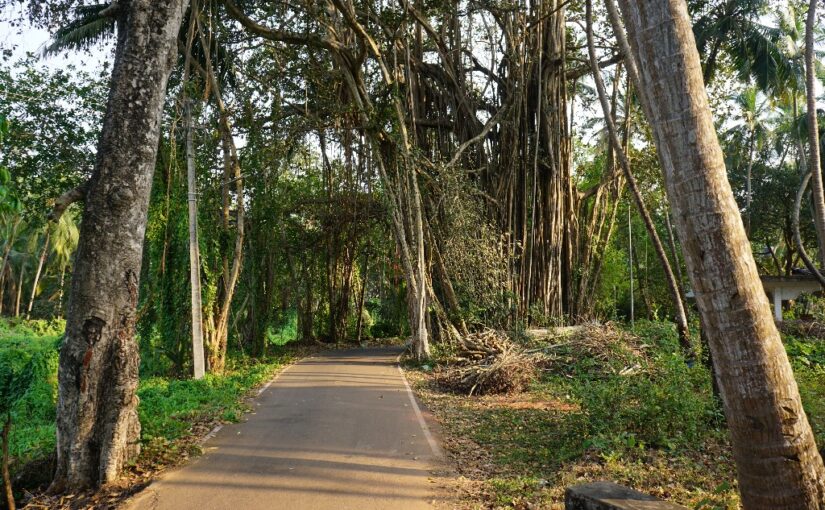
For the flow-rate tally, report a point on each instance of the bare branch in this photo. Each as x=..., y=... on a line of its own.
x=279, y=35
x=62, y=202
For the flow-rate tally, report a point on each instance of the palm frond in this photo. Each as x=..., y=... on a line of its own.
x=758, y=54
x=86, y=30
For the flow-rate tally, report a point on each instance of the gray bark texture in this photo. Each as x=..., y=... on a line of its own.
x=778, y=464
x=97, y=422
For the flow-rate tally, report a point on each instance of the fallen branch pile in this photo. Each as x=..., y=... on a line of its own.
x=488, y=363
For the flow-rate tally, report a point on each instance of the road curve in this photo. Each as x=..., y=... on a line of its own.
x=337, y=431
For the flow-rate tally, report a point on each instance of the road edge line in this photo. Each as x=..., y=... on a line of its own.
x=434, y=446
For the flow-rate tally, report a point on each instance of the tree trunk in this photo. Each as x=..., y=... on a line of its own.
x=672, y=284
x=749, y=183
x=362, y=292
x=20, y=281
x=59, y=294
x=5, y=460
x=41, y=260
x=798, y=237
x=194, y=251
x=778, y=464
x=817, y=192
x=97, y=422
x=7, y=251
x=217, y=343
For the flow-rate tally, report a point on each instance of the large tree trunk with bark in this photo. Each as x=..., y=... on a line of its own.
x=97, y=421
x=778, y=464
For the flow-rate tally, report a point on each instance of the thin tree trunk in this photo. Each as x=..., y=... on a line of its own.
x=818, y=194
x=2, y=289
x=97, y=422
x=198, y=369
x=672, y=284
x=630, y=264
x=360, y=323
x=680, y=279
x=20, y=281
x=6, y=476
x=60, y=293
x=803, y=254
x=196, y=304
x=7, y=250
x=217, y=349
x=40, y=261
x=749, y=184
x=778, y=464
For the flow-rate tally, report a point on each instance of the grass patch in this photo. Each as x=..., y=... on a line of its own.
x=173, y=412
x=169, y=407
x=611, y=405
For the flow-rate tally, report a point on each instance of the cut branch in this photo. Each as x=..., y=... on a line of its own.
x=62, y=202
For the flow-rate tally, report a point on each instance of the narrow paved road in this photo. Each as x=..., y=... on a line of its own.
x=336, y=431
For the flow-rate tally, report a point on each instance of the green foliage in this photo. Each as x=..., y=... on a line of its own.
x=53, y=122
x=807, y=357
x=628, y=394
x=669, y=406
x=390, y=314
x=169, y=407
x=285, y=331
x=28, y=383
x=644, y=396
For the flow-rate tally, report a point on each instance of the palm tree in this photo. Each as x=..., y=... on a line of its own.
x=92, y=25
x=65, y=235
x=779, y=466
x=770, y=56
x=11, y=226
x=751, y=129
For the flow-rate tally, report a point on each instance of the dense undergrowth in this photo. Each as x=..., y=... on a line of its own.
x=609, y=404
x=171, y=410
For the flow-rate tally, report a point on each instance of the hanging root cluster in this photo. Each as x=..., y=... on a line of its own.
x=488, y=363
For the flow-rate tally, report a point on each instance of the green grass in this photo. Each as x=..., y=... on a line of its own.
x=807, y=357
x=168, y=408
x=625, y=408
x=33, y=415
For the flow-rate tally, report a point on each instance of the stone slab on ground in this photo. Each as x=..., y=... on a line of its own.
x=611, y=496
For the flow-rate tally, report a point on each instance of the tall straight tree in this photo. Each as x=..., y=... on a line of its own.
x=97, y=421
x=818, y=194
x=778, y=464
x=670, y=277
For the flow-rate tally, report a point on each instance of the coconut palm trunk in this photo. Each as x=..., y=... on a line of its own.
x=778, y=464
x=680, y=315
x=818, y=194
x=97, y=421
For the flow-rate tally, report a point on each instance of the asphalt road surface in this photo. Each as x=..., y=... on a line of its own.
x=340, y=430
